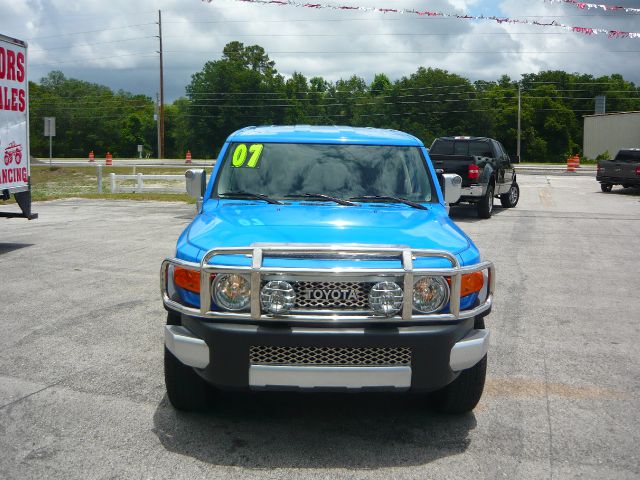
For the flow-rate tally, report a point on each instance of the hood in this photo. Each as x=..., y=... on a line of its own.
x=234, y=223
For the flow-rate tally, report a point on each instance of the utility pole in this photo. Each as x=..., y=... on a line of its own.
x=519, y=115
x=156, y=116
x=161, y=109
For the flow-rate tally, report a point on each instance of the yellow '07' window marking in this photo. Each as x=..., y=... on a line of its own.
x=239, y=158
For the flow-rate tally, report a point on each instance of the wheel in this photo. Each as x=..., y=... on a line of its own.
x=463, y=394
x=606, y=187
x=510, y=199
x=485, y=205
x=185, y=389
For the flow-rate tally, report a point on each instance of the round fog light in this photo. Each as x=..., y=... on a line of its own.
x=430, y=294
x=231, y=291
x=277, y=297
x=385, y=298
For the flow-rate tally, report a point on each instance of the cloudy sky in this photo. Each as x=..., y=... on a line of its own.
x=114, y=42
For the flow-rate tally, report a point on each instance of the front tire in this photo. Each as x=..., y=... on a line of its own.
x=606, y=187
x=485, y=205
x=463, y=394
x=185, y=389
x=510, y=199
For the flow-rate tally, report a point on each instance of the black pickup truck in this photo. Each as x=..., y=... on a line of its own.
x=485, y=168
x=623, y=170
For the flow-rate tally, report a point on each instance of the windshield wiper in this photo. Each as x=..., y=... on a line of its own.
x=255, y=196
x=322, y=196
x=364, y=198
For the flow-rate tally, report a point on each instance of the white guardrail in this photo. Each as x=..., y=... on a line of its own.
x=169, y=183
x=159, y=183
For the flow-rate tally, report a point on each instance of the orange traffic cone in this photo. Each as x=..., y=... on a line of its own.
x=108, y=159
x=188, y=159
x=92, y=157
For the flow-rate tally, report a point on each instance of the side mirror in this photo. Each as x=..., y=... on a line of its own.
x=196, y=182
x=451, y=188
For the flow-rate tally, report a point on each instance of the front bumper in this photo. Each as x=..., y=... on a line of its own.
x=221, y=354
x=405, y=273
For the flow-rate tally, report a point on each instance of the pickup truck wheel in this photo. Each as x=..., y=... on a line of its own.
x=606, y=187
x=463, y=394
x=185, y=389
x=510, y=199
x=485, y=205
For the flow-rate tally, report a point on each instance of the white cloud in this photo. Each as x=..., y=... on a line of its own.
x=196, y=31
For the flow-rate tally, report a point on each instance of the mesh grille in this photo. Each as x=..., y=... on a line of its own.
x=332, y=295
x=339, y=356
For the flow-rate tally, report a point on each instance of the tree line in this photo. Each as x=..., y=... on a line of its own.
x=244, y=88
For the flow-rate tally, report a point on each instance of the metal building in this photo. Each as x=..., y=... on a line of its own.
x=610, y=132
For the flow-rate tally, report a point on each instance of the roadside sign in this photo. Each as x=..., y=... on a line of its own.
x=14, y=125
x=49, y=126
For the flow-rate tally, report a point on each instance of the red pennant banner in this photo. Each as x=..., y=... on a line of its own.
x=599, y=6
x=500, y=20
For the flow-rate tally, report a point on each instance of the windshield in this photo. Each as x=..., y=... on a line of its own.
x=481, y=148
x=284, y=170
x=628, y=155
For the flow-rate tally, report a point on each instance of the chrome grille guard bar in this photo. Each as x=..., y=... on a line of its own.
x=256, y=271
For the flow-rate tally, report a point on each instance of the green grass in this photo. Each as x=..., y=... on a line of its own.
x=67, y=182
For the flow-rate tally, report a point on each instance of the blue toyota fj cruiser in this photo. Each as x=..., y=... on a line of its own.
x=323, y=258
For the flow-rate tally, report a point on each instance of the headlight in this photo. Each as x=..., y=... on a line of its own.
x=430, y=294
x=277, y=297
x=385, y=298
x=231, y=291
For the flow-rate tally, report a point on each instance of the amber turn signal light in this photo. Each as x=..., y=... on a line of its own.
x=470, y=283
x=187, y=279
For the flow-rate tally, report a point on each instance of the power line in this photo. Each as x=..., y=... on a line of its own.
x=346, y=115
x=141, y=54
x=377, y=34
x=406, y=19
x=90, y=44
x=448, y=52
x=91, y=31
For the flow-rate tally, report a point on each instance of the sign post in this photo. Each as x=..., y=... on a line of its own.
x=50, y=131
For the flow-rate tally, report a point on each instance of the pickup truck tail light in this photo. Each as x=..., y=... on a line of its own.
x=638, y=170
x=474, y=172
x=187, y=279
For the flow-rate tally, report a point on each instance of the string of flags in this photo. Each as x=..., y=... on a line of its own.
x=429, y=13
x=599, y=6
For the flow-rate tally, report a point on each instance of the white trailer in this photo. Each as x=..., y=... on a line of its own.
x=15, y=168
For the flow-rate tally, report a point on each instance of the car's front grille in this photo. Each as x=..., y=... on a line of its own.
x=332, y=295
x=330, y=356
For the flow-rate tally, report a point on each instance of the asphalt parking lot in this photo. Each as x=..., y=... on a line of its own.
x=81, y=382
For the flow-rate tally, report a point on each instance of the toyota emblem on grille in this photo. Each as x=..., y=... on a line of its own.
x=335, y=294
